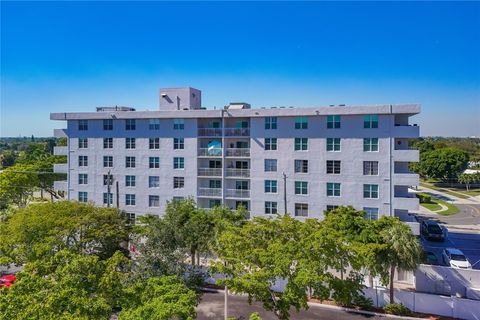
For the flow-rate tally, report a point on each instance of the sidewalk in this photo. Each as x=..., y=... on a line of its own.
x=449, y=198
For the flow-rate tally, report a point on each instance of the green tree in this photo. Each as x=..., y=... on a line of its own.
x=403, y=250
x=262, y=252
x=444, y=164
x=160, y=298
x=468, y=178
x=7, y=158
x=41, y=230
x=17, y=184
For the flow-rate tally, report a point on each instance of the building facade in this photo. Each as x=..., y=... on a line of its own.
x=302, y=160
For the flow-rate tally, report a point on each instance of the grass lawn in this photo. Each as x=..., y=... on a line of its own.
x=434, y=206
x=451, y=192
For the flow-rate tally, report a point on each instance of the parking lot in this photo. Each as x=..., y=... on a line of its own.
x=469, y=243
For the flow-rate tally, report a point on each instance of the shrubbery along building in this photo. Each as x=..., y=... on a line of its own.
x=324, y=156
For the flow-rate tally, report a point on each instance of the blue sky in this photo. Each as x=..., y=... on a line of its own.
x=75, y=56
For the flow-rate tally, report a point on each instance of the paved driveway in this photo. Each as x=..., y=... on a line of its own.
x=211, y=307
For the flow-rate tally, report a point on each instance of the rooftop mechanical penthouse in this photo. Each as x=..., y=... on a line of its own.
x=324, y=157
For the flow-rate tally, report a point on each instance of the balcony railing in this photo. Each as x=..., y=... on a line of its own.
x=210, y=152
x=209, y=132
x=59, y=133
x=210, y=192
x=237, y=152
x=406, y=155
x=60, y=185
x=237, y=193
x=406, y=131
x=406, y=179
x=237, y=132
x=242, y=173
x=60, y=167
x=405, y=201
x=210, y=172
x=60, y=151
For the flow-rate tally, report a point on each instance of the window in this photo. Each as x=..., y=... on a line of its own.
x=131, y=217
x=82, y=143
x=370, y=121
x=270, y=186
x=107, y=143
x=370, y=144
x=82, y=178
x=83, y=196
x=301, y=122
x=107, y=161
x=270, y=143
x=108, y=124
x=154, y=143
x=179, y=198
x=178, y=143
x=130, y=181
x=129, y=143
x=371, y=213
x=333, y=189
x=178, y=182
x=370, y=191
x=212, y=203
x=333, y=144
x=301, y=166
x=270, y=207
x=241, y=185
x=178, y=163
x=107, y=198
x=153, y=201
x=130, y=199
x=82, y=125
x=129, y=162
x=130, y=124
x=301, y=209
x=154, y=162
x=154, y=124
x=153, y=181
x=333, y=166
x=107, y=179
x=370, y=168
x=331, y=207
x=301, y=187
x=215, y=184
x=178, y=124
x=82, y=161
x=301, y=144
x=270, y=123
x=270, y=165
x=333, y=122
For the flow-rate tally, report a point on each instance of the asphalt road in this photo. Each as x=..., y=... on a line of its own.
x=211, y=307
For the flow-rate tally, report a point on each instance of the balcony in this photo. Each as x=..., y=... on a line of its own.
x=60, y=151
x=238, y=173
x=60, y=186
x=209, y=132
x=406, y=179
x=406, y=155
x=210, y=152
x=237, y=193
x=59, y=133
x=60, y=167
x=406, y=202
x=237, y=132
x=209, y=172
x=209, y=192
x=406, y=131
x=238, y=152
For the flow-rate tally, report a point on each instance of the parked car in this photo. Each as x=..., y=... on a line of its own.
x=7, y=281
x=455, y=259
x=431, y=230
x=430, y=258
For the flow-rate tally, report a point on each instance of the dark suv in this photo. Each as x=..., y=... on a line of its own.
x=432, y=231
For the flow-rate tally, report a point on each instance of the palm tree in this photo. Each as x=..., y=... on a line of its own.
x=403, y=249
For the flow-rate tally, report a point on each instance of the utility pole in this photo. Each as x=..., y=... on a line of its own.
x=226, y=303
x=109, y=188
x=284, y=193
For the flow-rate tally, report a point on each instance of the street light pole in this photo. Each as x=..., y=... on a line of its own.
x=284, y=193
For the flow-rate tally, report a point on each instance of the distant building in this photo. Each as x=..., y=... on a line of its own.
x=331, y=156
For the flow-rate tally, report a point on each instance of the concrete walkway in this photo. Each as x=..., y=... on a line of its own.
x=449, y=198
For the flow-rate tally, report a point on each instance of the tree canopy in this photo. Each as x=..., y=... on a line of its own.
x=444, y=164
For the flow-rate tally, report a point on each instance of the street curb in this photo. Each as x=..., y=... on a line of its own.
x=327, y=306
x=370, y=313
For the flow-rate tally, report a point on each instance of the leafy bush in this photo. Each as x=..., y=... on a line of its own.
x=363, y=302
x=424, y=198
x=397, y=309
x=255, y=316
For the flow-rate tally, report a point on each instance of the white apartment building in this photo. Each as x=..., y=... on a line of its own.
x=306, y=160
